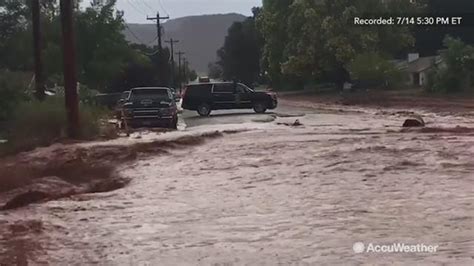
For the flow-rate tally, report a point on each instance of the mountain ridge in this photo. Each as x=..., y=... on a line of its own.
x=199, y=36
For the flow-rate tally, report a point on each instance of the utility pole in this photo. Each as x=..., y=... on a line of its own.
x=172, y=42
x=161, y=65
x=185, y=69
x=158, y=27
x=180, y=76
x=37, y=50
x=70, y=78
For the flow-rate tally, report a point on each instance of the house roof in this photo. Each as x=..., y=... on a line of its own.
x=400, y=64
x=423, y=63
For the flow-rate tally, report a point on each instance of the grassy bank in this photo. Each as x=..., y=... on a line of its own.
x=35, y=124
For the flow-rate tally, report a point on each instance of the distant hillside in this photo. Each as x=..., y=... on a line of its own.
x=200, y=36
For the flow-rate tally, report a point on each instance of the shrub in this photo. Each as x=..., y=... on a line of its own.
x=37, y=123
x=456, y=73
x=12, y=90
x=372, y=68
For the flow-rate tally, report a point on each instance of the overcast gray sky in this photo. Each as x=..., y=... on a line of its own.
x=137, y=10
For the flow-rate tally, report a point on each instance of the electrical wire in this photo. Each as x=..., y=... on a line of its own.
x=146, y=4
x=154, y=40
x=140, y=4
x=139, y=39
x=130, y=3
x=133, y=34
x=152, y=54
x=163, y=8
x=142, y=42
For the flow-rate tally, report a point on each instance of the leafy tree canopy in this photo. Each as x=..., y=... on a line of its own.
x=239, y=58
x=311, y=39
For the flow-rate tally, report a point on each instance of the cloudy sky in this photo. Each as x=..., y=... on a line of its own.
x=137, y=10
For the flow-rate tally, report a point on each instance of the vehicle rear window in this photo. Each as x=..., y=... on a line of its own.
x=151, y=94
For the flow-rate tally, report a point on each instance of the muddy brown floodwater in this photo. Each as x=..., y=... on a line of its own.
x=271, y=195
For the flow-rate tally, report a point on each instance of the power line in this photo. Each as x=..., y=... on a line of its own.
x=142, y=42
x=146, y=4
x=162, y=7
x=145, y=8
x=154, y=40
x=133, y=34
x=152, y=54
x=134, y=7
x=137, y=38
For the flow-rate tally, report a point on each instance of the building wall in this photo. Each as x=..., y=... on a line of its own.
x=421, y=82
x=410, y=80
x=423, y=78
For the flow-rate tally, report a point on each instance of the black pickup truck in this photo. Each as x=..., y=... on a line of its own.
x=206, y=97
x=151, y=106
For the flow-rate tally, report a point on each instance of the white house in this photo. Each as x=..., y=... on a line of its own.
x=417, y=68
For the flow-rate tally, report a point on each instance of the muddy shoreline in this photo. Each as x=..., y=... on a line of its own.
x=402, y=100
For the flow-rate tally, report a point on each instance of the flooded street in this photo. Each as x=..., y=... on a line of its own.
x=270, y=194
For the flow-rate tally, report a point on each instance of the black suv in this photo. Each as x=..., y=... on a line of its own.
x=205, y=97
x=151, y=107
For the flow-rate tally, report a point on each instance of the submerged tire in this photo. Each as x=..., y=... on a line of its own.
x=260, y=108
x=174, y=124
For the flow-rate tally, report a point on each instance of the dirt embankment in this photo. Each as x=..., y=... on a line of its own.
x=390, y=99
x=72, y=169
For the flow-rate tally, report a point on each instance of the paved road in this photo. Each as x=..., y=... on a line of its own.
x=222, y=117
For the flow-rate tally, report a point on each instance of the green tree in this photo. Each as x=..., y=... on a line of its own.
x=456, y=73
x=239, y=58
x=314, y=40
x=12, y=90
x=376, y=70
x=214, y=71
x=272, y=23
x=429, y=40
x=102, y=49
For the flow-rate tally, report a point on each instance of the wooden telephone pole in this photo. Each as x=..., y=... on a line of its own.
x=70, y=78
x=180, y=75
x=158, y=27
x=185, y=69
x=37, y=50
x=161, y=63
x=172, y=42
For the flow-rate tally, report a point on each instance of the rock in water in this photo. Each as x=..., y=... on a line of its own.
x=415, y=121
x=297, y=123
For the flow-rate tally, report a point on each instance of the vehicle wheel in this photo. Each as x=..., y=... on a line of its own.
x=204, y=109
x=259, y=108
x=174, y=124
